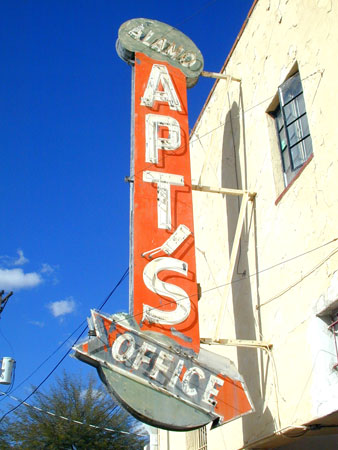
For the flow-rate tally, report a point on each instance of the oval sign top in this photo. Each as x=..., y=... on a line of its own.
x=161, y=42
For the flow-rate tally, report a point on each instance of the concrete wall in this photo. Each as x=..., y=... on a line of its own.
x=286, y=272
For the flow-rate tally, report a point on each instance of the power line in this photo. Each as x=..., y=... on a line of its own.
x=68, y=337
x=166, y=303
x=198, y=11
x=10, y=387
x=5, y=394
x=250, y=276
x=239, y=280
x=67, y=352
x=50, y=356
x=45, y=379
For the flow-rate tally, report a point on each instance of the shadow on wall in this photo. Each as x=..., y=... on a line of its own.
x=313, y=443
x=234, y=176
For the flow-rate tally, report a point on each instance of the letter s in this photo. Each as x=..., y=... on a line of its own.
x=152, y=282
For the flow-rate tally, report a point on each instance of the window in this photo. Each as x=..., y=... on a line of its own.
x=202, y=438
x=197, y=439
x=292, y=127
x=334, y=329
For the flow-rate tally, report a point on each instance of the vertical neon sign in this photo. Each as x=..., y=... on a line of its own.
x=164, y=284
x=151, y=359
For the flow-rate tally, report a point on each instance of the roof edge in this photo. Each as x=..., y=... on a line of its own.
x=224, y=65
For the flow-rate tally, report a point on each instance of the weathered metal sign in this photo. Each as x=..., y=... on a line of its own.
x=152, y=363
x=205, y=387
x=161, y=42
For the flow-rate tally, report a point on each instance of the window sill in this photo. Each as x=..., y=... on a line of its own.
x=279, y=198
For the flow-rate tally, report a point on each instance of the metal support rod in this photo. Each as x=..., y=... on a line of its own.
x=246, y=196
x=217, y=190
x=237, y=343
x=220, y=76
x=232, y=261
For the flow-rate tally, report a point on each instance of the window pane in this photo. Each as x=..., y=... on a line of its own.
x=297, y=154
x=307, y=147
x=279, y=119
x=282, y=139
x=288, y=173
x=294, y=109
x=305, y=126
x=295, y=132
x=290, y=88
x=286, y=161
x=288, y=177
x=290, y=111
x=300, y=104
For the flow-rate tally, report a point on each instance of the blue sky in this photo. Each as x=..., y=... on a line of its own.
x=65, y=136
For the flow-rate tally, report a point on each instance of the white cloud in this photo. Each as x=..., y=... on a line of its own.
x=9, y=261
x=21, y=260
x=62, y=307
x=17, y=279
x=37, y=323
x=5, y=260
x=46, y=268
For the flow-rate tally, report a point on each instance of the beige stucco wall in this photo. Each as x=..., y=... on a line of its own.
x=286, y=273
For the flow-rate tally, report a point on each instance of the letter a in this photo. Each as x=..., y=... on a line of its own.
x=159, y=74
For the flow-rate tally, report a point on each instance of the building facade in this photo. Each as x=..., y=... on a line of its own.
x=265, y=170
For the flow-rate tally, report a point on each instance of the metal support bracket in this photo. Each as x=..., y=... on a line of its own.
x=237, y=343
x=220, y=76
x=246, y=196
x=216, y=190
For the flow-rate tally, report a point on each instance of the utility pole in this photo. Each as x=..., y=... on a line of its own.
x=3, y=301
x=7, y=363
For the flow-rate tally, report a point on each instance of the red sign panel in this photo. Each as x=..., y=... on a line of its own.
x=164, y=284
